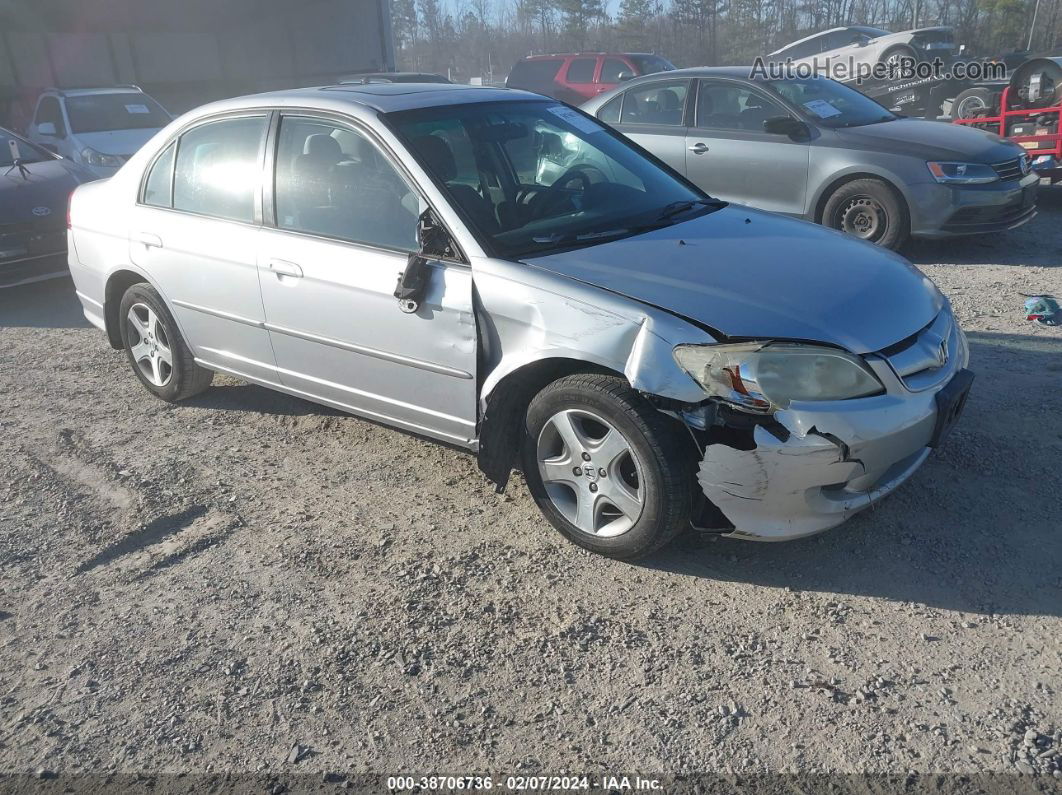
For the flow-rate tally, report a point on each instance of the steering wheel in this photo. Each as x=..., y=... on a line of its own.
x=552, y=195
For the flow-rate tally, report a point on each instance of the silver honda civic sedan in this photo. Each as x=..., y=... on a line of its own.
x=651, y=358
x=816, y=149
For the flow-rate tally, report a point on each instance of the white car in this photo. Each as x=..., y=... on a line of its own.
x=865, y=45
x=98, y=128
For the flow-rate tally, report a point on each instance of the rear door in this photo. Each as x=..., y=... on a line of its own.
x=579, y=79
x=654, y=116
x=731, y=156
x=195, y=232
x=340, y=227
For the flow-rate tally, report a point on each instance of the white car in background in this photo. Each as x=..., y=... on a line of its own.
x=98, y=128
x=866, y=45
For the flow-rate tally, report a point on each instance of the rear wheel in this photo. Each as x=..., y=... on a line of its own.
x=155, y=349
x=870, y=210
x=607, y=470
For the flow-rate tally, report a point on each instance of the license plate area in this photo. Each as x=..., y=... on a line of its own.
x=951, y=401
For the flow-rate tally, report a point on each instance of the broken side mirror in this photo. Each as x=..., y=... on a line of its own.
x=434, y=242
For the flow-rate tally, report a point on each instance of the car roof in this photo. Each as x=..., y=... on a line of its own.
x=381, y=97
x=546, y=55
x=77, y=92
x=696, y=71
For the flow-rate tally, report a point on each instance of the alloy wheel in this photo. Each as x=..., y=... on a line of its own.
x=590, y=473
x=151, y=351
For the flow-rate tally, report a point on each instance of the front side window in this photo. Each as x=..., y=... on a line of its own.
x=158, y=188
x=612, y=68
x=334, y=182
x=218, y=168
x=581, y=70
x=656, y=103
x=648, y=64
x=103, y=112
x=730, y=106
x=49, y=111
x=549, y=177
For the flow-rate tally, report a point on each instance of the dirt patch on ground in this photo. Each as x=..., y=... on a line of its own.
x=201, y=588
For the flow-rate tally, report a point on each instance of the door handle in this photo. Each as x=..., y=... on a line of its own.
x=699, y=148
x=284, y=268
x=149, y=240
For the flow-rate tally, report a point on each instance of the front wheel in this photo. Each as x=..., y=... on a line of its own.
x=870, y=210
x=609, y=471
x=155, y=349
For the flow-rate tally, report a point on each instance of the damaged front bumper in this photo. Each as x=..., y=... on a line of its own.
x=817, y=464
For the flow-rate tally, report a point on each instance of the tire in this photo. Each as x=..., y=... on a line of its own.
x=653, y=478
x=896, y=53
x=153, y=339
x=972, y=99
x=870, y=210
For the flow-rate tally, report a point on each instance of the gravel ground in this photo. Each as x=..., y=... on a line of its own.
x=251, y=583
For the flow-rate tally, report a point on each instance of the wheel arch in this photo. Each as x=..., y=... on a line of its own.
x=827, y=190
x=507, y=401
x=118, y=281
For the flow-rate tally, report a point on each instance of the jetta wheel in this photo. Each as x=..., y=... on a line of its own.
x=159, y=356
x=870, y=210
x=606, y=468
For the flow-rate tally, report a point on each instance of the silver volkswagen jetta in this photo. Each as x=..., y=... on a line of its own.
x=421, y=255
x=816, y=149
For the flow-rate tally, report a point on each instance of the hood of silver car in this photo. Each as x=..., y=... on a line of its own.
x=930, y=140
x=750, y=274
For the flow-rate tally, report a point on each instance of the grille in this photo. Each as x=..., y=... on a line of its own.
x=928, y=357
x=1010, y=169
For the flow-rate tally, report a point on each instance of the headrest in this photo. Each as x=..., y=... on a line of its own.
x=322, y=146
x=438, y=156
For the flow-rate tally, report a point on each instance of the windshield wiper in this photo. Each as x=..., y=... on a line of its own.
x=556, y=239
x=675, y=208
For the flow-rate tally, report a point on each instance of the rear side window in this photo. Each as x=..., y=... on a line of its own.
x=218, y=171
x=158, y=188
x=656, y=103
x=581, y=70
x=534, y=75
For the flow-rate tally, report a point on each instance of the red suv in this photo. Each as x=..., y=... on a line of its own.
x=576, y=77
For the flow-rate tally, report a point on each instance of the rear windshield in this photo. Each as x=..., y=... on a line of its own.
x=533, y=74
x=648, y=64
x=26, y=152
x=100, y=112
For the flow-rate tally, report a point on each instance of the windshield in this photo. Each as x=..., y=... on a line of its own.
x=27, y=152
x=648, y=64
x=126, y=111
x=532, y=177
x=829, y=103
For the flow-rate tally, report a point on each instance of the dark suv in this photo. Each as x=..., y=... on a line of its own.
x=576, y=77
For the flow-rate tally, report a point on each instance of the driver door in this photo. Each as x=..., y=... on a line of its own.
x=343, y=222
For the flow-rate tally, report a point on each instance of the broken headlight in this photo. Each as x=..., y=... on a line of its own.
x=762, y=377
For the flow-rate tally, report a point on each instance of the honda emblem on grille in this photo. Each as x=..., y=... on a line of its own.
x=942, y=353
x=40, y=212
